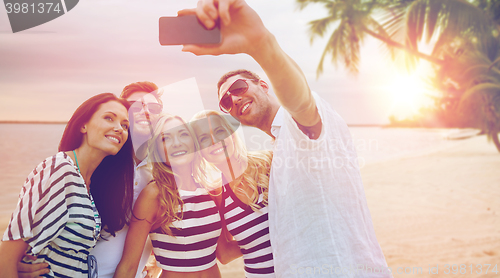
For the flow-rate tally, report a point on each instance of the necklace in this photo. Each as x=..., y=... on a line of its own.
x=97, y=217
x=76, y=159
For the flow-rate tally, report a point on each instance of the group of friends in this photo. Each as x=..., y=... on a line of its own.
x=130, y=181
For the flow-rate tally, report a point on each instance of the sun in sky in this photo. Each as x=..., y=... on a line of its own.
x=408, y=93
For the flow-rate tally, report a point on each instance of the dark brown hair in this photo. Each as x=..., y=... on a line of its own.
x=112, y=181
x=243, y=72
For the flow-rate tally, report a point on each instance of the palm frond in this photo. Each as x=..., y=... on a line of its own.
x=318, y=27
x=494, y=63
x=351, y=56
x=442, y=41
x=449, y=18
x=379, y=29
x=415, y=20
x=485, y=88
x=475, y=72
x=432, y=18
x=335, y=9
x=393, y=25
x=333, y=46
x=477, y=63
x=304, y=3
x=463, y=16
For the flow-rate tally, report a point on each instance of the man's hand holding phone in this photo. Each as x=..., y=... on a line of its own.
x=241, y=28
x=244, y=32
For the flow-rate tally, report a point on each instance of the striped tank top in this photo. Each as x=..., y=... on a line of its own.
x=192, y=246
x=56, y=217
x=251, y=230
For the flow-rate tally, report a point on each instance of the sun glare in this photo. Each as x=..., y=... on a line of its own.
x=409, y=94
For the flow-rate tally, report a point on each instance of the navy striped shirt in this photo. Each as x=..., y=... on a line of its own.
x=194, y=241
x=251, y=230
x=55, y=216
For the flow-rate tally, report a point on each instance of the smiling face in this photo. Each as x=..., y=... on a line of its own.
x=210, y=133
x=141, y=119
x=252, y=107
x=107, y=129
x=175, y=144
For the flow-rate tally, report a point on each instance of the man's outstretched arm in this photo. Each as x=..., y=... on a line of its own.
x=244, y=32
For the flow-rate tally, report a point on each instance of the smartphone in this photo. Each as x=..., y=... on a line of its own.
x=186, y=29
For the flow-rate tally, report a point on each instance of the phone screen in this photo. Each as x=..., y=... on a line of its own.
x=186, y=30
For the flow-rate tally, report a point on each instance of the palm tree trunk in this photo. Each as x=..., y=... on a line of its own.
x=494, y=136
x=403, y=47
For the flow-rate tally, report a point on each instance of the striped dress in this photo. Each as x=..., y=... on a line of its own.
x=192, y=246
x=55, y=217
x=251, y=230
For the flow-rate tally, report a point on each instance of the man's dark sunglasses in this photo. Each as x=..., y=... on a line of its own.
x=153, y=108
x=238, y=87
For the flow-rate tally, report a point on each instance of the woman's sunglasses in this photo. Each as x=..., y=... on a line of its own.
x=238, y=87
x=153, y=108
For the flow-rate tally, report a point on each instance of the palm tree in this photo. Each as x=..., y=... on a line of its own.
x=400, y=26
x=457, y=25
x=480, y=84
x=355, y=19
x=469, y=43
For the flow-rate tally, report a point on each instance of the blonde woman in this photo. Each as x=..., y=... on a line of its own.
x=245, y=177
x=179, y=215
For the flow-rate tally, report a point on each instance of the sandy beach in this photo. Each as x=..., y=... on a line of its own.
x=441, y=208
x=430, y=211
x=434, y=210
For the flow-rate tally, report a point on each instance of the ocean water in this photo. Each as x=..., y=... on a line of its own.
x=24, y=146
x=375, y=144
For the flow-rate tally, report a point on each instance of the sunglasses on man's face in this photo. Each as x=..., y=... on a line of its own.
x=153, y=108
x=238, y=87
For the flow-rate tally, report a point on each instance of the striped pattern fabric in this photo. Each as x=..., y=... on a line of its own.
x=55, y=216
x=251, y=230
x=192, y=246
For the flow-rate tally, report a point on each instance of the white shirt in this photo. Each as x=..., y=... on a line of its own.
x=108, y=253
x=318, y=215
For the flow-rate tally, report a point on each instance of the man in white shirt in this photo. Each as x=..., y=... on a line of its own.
x=319, y=220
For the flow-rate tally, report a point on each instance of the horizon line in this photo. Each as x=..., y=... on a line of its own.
x=65, y=122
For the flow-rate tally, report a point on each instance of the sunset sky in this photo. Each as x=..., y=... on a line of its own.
x=103, y=45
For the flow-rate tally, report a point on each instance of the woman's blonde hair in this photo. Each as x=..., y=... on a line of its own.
x=169, y=198
x=256, y=175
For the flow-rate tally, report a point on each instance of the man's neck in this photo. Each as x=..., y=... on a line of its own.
x=140, y=154
x=267, y=124
x=137, y=160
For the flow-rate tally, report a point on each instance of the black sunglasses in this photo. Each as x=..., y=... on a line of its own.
x=238, y=87
x=153, y=108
